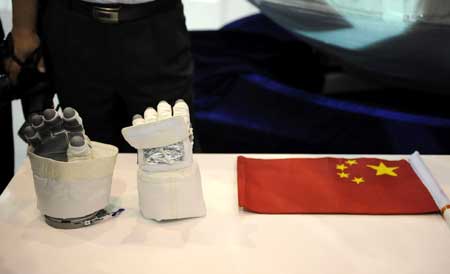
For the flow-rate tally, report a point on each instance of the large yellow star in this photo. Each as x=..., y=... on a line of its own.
x=358, y=180
x=341, y=167
x=343, y=175
x=382, y=169
x=351, y=162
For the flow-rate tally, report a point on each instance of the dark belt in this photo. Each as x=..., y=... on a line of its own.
x=120, y=13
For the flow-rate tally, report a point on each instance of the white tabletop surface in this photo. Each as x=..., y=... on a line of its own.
x=227, y=240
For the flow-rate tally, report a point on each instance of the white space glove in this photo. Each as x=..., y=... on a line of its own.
x=169, y=181
x=72, y=175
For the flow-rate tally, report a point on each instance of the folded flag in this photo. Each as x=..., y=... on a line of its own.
x=331, y=185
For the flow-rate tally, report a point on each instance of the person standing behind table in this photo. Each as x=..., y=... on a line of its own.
x=6, y=138
x=110, y=59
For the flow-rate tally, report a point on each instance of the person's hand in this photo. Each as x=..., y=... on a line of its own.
x=25, y=43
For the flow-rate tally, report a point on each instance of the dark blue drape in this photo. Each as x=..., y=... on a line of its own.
x=258, y=90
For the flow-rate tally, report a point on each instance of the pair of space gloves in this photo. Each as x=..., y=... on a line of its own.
x=73, y=175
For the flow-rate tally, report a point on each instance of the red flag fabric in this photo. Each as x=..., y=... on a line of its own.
x=331, y=185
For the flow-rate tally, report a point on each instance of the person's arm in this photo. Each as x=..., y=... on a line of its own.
x=24, y=33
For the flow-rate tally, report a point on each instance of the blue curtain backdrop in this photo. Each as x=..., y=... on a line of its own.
x=258, y=89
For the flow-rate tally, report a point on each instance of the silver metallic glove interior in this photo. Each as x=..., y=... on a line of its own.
x=169, y=181
x=72, y=175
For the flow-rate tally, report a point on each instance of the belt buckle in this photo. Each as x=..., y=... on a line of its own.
x=107, y=15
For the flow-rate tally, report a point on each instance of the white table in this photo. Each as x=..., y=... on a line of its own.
x=227, y=240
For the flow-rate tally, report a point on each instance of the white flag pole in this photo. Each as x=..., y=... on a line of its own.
x=439, y=196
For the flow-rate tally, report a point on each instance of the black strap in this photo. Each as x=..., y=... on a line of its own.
x=88, y=220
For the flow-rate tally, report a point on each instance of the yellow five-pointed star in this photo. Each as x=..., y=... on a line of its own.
x=358, y=180
x=382, y=169
x=351, y=162
x=343, y=175
x=341, y=167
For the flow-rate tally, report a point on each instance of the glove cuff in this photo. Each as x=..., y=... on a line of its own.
x=74, y=189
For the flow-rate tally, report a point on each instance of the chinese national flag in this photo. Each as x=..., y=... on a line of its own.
x=331, y=185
